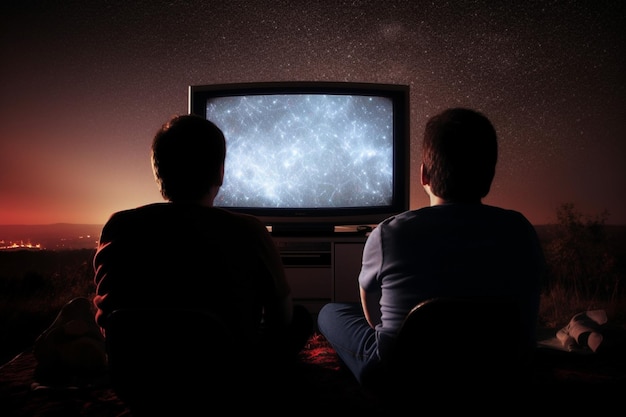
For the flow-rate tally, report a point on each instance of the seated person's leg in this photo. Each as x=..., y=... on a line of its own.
x=345, y=328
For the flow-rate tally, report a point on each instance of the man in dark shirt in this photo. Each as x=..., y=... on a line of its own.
x=185, y=253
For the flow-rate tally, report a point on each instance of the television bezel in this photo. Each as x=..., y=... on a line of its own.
x=326, y=219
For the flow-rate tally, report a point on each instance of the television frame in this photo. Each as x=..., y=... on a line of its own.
x=315, y=220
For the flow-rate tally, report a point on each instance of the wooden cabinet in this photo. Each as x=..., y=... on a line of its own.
x=322, y=269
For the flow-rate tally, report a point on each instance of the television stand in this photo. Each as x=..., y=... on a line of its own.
x=301, y=230
x=322, y=267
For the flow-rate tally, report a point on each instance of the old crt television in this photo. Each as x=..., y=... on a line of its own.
x=309, y=157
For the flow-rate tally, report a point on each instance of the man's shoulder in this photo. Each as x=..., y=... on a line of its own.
x=242, y=220
x=131, y=214
x=167, y=213
x=176, y=210
x=414, y=215
x=507, y=215
x=434, y=216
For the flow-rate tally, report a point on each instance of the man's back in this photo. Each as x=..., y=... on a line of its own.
x=190, y=256
x=452, y=250
x=455, y=247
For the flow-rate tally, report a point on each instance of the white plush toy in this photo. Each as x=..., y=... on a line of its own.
x=583, y=331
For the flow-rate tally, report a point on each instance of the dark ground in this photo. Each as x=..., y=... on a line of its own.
x=319, y=384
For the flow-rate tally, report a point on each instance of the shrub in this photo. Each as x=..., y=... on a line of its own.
x=584, y=271
x=34, y=286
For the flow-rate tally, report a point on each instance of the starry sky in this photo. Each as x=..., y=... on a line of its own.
x=86, y=84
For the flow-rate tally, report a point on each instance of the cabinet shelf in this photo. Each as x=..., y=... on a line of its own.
x=322, y=269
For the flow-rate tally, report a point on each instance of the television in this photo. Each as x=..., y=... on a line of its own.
x=311, y=157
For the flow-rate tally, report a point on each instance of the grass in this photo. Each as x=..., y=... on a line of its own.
x=34, y=285
x=558, y=306
x=586, y=262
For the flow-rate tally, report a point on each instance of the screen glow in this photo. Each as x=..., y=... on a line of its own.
x=305, y=150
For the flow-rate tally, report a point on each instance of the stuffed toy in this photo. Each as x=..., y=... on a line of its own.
x=590, y=332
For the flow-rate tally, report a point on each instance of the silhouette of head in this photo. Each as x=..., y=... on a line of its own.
x=188, y=155
x=459, y=154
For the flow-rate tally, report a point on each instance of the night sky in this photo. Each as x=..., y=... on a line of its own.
x=86, y=84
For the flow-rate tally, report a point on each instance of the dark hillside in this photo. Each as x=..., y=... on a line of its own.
x=34, y=284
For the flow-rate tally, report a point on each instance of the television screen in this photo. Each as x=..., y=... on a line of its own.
x=309, y=155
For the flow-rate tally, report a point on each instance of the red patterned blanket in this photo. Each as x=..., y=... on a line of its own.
x=319, y=382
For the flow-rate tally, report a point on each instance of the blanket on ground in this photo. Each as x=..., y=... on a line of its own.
x=320, y=384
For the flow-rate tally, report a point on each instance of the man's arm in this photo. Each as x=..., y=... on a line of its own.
x=371, y=307
x=369, y=285
x=280, y=311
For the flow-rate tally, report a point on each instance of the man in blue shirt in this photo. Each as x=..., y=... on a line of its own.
x=457, y=246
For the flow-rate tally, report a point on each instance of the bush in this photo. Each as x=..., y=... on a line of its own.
x=34, y=285
x=584, y=270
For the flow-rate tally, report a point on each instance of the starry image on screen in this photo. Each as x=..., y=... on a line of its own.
x=305, y=150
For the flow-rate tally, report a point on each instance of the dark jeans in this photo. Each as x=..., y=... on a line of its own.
x=344, y=326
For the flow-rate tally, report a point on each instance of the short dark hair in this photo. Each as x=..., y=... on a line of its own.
x=459, y=153
x=188, y=153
